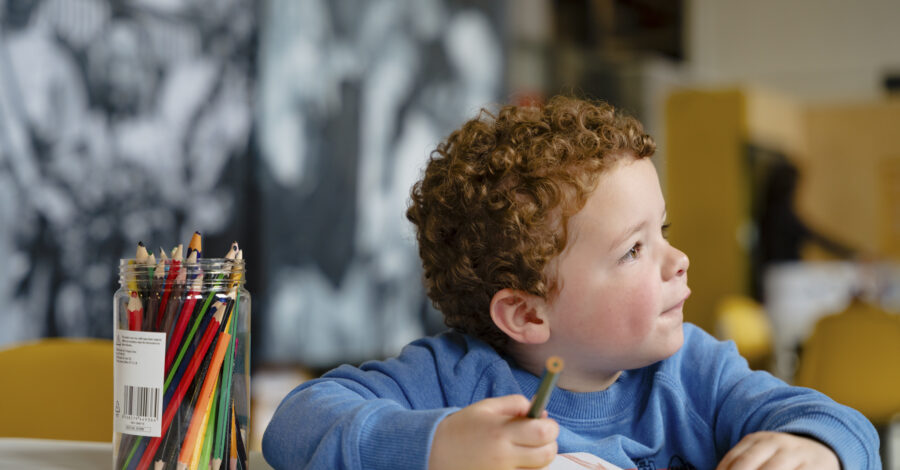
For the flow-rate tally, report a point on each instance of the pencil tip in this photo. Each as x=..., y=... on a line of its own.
x=141, y=253
x=134, y=303
x=220, y=311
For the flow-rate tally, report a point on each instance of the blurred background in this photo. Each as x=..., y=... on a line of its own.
x=297, y=127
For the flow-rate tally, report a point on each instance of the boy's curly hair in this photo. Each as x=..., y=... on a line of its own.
x=492, y=208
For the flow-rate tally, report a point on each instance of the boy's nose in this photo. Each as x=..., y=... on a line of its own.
x=677, y=265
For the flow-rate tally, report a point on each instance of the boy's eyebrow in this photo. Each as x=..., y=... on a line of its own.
x=627, y=234
x=632, y=230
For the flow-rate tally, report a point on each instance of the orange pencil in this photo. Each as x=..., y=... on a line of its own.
x=203, y=437
x=211, y=329
x=196, y=245
x=212, y=376
x=232, y=464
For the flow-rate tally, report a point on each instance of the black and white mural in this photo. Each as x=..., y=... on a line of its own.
x=354, y=94
x=294, y=126
x=120, y=121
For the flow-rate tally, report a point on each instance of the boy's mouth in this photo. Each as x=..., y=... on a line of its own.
x=677, y=306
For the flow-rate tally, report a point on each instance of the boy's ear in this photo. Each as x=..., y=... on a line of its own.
x=522, y=316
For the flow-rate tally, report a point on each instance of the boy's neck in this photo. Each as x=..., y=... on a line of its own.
x=589, y=384
x=571, y=378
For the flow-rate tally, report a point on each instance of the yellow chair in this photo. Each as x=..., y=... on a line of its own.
x=853, y=357
x=744, y=321
x=58, y=389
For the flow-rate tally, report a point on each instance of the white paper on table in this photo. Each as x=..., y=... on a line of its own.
x=580, y=461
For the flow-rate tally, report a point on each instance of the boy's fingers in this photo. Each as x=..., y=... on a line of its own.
x=748, y=456
x=781, y=460
x=510, y=405
x=536, y=457
x=533, y=432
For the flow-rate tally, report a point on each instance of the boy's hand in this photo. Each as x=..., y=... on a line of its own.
x=494, y=434
x=778, y=450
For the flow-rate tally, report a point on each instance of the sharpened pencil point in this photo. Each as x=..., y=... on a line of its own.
x=219, y=307
x=196, y=244
x=178, y=253
x=141, y=254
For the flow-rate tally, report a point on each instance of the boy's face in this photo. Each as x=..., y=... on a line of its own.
x=621, y=285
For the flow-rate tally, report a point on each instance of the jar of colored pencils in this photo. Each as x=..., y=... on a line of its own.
x=182, y=363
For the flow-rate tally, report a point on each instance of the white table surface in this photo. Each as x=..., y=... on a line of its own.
x=49, y=454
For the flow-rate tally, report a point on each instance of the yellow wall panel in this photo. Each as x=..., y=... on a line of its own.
x=706, y=196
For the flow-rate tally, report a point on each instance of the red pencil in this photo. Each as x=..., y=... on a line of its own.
x=135, y=312
x=167, y=287
x=184, y=318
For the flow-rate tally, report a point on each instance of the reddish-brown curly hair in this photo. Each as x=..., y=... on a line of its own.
x=492, y=208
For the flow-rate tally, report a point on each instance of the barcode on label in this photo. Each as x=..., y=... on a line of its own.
x=140, y=401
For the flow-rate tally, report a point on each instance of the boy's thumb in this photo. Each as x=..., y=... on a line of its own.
x=510, y=405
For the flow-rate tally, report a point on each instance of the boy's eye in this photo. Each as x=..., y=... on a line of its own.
x=665, y=230
x=632, y=253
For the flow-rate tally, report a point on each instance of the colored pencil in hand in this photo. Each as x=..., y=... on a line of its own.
x=552, y=369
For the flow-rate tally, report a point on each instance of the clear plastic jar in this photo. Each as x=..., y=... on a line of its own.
x=182, y=365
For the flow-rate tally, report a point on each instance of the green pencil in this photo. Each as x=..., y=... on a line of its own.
x=552, y=369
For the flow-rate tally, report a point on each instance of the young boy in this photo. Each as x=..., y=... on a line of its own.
x=542, y=232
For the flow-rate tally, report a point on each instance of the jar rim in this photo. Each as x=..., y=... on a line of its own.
x=214, y=271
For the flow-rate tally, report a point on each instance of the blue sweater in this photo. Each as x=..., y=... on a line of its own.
x=688, y=409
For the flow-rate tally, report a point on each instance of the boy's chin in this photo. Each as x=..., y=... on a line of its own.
x=672, y=344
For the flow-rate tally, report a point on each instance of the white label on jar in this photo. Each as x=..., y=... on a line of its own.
x=138, y=382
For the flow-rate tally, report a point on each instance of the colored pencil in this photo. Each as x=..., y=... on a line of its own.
x=210, y=426
x=196, y=245
x=181, y=389
x=206, y=393
x=156, y=285
x=199, y=426
x=240, y=450
x=135, y=312
x=184, y=318
x=219, y=306
x=552, y=369
x=174, y=268
x=227, y=371
x=233, y=454
x=176, y=300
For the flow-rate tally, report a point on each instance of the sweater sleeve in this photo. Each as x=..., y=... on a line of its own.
x=744, y=401
x=381, y=415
